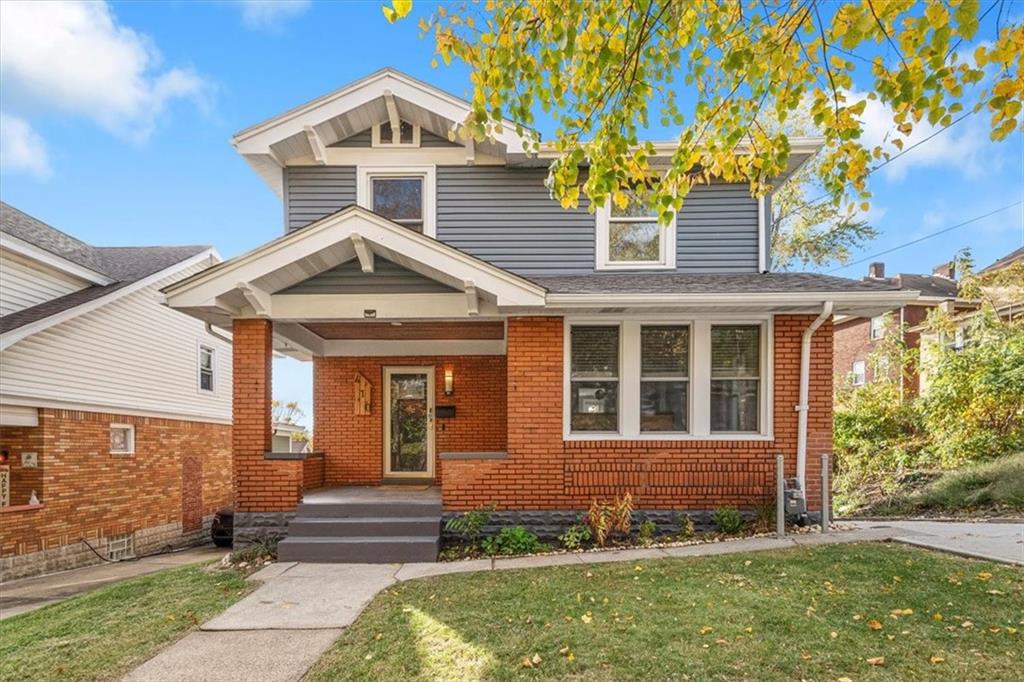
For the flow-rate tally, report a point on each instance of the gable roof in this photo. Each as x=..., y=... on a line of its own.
x=1005, y=261
x=121, y=266
x=930, y=286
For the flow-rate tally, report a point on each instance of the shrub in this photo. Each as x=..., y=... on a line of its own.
x=728, y=520
x=646, y=532
x=616, y=516
x=686, y=529
x=470, y=525
x=575, y=536
x=512, y=540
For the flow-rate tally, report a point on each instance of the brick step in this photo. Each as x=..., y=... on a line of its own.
x=362, y=510
x=345, y=527
x=358, y=550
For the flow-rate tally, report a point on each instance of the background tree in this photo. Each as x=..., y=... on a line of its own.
x=606, y=69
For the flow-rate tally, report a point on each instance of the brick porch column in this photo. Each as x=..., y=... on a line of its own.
x=266, y=491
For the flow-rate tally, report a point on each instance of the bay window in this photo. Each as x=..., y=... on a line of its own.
x=594, y=378
x=667, y=379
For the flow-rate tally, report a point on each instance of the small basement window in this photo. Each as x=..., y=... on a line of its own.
x=206, y=368
x=122, y=439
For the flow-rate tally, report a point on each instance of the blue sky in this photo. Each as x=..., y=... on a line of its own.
x=122, y=137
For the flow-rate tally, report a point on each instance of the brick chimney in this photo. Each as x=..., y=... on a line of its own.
x=876, y=271
x=947, y=270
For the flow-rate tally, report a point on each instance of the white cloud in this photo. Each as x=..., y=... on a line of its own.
x=963, y=147
x=269, y=14
x=75, y=58
x=21, y=147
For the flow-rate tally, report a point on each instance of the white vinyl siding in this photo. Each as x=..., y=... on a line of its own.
x=25, y=282
x=132, y=355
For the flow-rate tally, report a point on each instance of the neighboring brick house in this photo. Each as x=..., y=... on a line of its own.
x=857, y=336
x=115, y=411
x=469, y=333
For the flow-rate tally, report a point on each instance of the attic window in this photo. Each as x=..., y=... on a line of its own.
x=407, y=135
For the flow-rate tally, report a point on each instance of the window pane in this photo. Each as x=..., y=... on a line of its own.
x=635, y=209
x=629, y=242
x=663, y=405
x=399, y=198
x=595, y=405
x=205, y=358
x=405, y=130
x=734, y=405
x=120, y=440
x=385, y=133
x=664, y=351
x=206, y=380
x=595, y=351
x=735, y=351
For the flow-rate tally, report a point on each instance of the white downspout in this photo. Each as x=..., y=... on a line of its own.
x=802, y=407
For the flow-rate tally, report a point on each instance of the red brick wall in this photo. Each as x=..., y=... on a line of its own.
x=260, y=484
x=353, y=444
x=853, y=343
x=543, y=471
x=88, y=493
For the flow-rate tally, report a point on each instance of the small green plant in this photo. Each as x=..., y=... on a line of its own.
x=256, y=554
x=686, y=528
x=512, y=540
x=728, y=520
x=575, y=536
x=764, y=515
x=470, y=525
x=645, y=533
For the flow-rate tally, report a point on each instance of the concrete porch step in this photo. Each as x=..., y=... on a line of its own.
x=363, y=510
x=368, y=550
x=389, y=526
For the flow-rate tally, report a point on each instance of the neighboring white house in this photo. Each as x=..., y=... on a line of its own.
x=115, y=410
x=290, y=437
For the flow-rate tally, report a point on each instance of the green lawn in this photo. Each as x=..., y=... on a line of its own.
x=97, y=635
x=817, y=614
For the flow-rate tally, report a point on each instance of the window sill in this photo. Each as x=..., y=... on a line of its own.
x=20, y=508
x=673, y=437
x=633, y=266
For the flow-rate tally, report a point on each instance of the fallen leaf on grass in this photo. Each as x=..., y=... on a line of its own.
x=531, y=662
x=877, y=661
x=706, y=629
x=967, y=624
x=833, y=634
x=805, y=657
x=937, y=616
x=935, y=660
x=587, y=617
x=984, y=575
x=874, y=624
x=896, y=613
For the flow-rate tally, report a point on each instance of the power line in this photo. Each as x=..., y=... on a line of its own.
x=927, y=236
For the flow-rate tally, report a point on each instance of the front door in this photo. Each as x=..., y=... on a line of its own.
x=409, y=422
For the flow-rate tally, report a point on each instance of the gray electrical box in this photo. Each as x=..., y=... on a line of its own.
x=796, y=502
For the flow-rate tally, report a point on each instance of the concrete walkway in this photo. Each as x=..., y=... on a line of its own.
x=28, y=594
x=280, y=630
x=1002, y=542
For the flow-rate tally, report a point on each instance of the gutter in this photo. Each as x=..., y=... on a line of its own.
x=803, y=407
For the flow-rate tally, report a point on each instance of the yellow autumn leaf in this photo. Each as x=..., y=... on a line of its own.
x=937, y=616
x=936, y=659
x=402, y=7
x=984, y=575
x=706, y=629
x=877, y=660
x=587, y=617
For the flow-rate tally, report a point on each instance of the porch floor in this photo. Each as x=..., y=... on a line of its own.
x=382, y=494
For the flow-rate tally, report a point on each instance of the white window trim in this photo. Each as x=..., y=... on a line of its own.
x=364, y=190
x=700, y=378
x=200, y=346
x=131, y=439
x=376, y=141
x=666, y=248
x=862, y=375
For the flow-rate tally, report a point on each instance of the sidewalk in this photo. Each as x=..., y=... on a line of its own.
x=307, y=606
x=1001, y=541
x=28, y=594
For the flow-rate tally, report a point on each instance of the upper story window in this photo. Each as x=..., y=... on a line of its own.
x=858, y=374
x=632, y=239
x=206, y=368
x=594, y=378
x=877, y=327
x=384, y=135
x=735, y=378
x=404, y=194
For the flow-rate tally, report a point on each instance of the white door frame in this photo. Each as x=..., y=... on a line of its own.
x=386, y=400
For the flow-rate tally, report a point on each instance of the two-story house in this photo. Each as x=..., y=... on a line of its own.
x=115, y=411
x=470, y=336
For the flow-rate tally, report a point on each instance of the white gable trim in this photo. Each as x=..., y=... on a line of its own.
x=29, y=250
x=257, y=139
x=10, y=338
x=409, y=249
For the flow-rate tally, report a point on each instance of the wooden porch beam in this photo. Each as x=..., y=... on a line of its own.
x=258, y=299
x=396, y=122
x=363, y=252
x=472, y=298
x=317, y=145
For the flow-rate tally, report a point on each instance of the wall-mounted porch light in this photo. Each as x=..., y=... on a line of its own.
x=449, y=381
